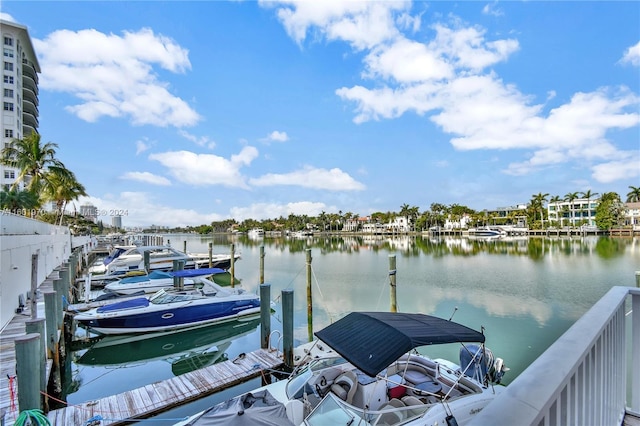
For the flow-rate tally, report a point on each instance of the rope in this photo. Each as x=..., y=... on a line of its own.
x=12, y=392
x=32, y=418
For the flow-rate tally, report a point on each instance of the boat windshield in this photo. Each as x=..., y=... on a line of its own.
x=299, y=382
x=162, y=297
x=331, y=411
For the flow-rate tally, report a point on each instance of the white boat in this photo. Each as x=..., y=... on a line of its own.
x=159, y=280
x=161, y=258
x=373, y=375
x=255, y=233
x=486, y=231
x=171, y=310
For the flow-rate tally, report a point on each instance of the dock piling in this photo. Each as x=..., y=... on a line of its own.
x=287, y=327
x=309, y=297
x=28, y=371
x=392, y=282
x=265, y=315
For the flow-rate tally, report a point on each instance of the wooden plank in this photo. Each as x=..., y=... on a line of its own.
x=161, y=396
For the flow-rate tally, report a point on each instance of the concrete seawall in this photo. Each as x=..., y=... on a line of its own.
x=25, y=245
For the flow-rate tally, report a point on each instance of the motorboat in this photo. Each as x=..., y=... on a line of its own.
x=372, y=374
x=162, y=258
x=159, y=280
x=255, y=233
x=190, y=347
x=486, y=231
x=206, y=303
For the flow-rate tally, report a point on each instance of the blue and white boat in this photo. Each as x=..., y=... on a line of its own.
x=486, y=231
x=206, y=303
x=159, y=280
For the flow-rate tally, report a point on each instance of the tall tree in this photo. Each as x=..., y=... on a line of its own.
x=62, y=187
x=633, y=196
x=537, y=202
x=610, y=211
x=588, y=195
x=571, y=197
x=16, y=201
x=33, y=158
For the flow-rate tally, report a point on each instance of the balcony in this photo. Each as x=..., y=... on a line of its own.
x=29, y=120
x=30, y=95
x=29, y=83
x=29, y=70
x=29, y=108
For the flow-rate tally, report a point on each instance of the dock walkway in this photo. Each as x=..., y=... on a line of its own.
x=15, y=329
x=161, y=396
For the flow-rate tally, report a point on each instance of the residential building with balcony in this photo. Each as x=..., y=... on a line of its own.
x=19, y=86
x=581, y=211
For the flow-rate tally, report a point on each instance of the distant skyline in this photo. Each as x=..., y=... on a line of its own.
x=184, y=113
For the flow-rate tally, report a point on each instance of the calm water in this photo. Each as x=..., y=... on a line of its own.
x=524, y=292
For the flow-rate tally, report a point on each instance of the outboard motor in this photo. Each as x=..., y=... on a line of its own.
x=479, y=363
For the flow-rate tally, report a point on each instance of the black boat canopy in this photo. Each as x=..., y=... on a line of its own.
x=373, y=340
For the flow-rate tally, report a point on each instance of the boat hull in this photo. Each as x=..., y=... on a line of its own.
x=140, y=316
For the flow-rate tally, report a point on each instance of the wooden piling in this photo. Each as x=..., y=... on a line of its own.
x=287, y=327
x=58, y=288
x=261, y=264
x=28, y=371
x=178, y=282
x=265, y=315
x=309, y=297
x=637, y=278
x=210, y=255
x=37, y=326
x=233, y=263
x=51, y=313
x=34, y=286
x=392, y=282
x=184, y=246
x=147, y=261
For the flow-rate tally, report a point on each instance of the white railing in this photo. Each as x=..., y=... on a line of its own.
x=583, y=378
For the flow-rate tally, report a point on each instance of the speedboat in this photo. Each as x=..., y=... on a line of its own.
x=486, y=231
x=162, y=257
x=206, y=303
x=159, y=280
x=372, y=374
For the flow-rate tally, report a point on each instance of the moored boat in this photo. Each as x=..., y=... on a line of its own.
x=207, y=303
x=372, y=375
x=159, y=280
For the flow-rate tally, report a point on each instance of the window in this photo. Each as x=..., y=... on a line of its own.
x=8, y=93
x=9, y=174
x=8, y=41
x=8, y=79
x=8, y=66
x=8, y=53
x=8, y=133
x=8, y=106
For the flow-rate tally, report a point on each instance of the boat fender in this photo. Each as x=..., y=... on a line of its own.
x=451, y=421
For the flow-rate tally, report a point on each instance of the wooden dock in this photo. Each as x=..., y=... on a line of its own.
x=15, y=329
x=161, y=396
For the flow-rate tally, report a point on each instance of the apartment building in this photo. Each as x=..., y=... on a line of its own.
x=581, y=211
x=19, y=86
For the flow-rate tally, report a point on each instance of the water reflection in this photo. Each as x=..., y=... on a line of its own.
x=415, y=245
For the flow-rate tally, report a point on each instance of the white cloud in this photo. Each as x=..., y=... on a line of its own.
x=311, y=177
x=492, y=9
x=113, y=75
x=7, y=17
x=632, y=55
x=363, y=24
x=142, y=209
x=146, y=177
x=626, y=169
x=203, y=141
x=276, y=136
x=142, y=146
x=207, y=169
x=261, y=211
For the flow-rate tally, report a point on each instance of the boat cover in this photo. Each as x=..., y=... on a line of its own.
x=374, y=340
x=255, y=409
x=197, y=272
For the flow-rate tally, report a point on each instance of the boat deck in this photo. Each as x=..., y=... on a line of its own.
x=161, y=396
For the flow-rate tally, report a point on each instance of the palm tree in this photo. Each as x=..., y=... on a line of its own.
x=633, y=196
x=570, y=197
x=33, y=159
x=556, y=200
x=588, y=196
x=538, y=201
x=16, y=201
x=61, y=187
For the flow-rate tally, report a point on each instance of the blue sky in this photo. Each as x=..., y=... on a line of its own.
x=183, y=113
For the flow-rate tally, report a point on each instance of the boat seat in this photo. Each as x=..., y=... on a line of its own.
x=410, y=400
x=392, y=416
x=345, y=386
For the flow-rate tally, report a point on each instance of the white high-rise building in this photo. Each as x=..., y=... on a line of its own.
x=19, y=84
